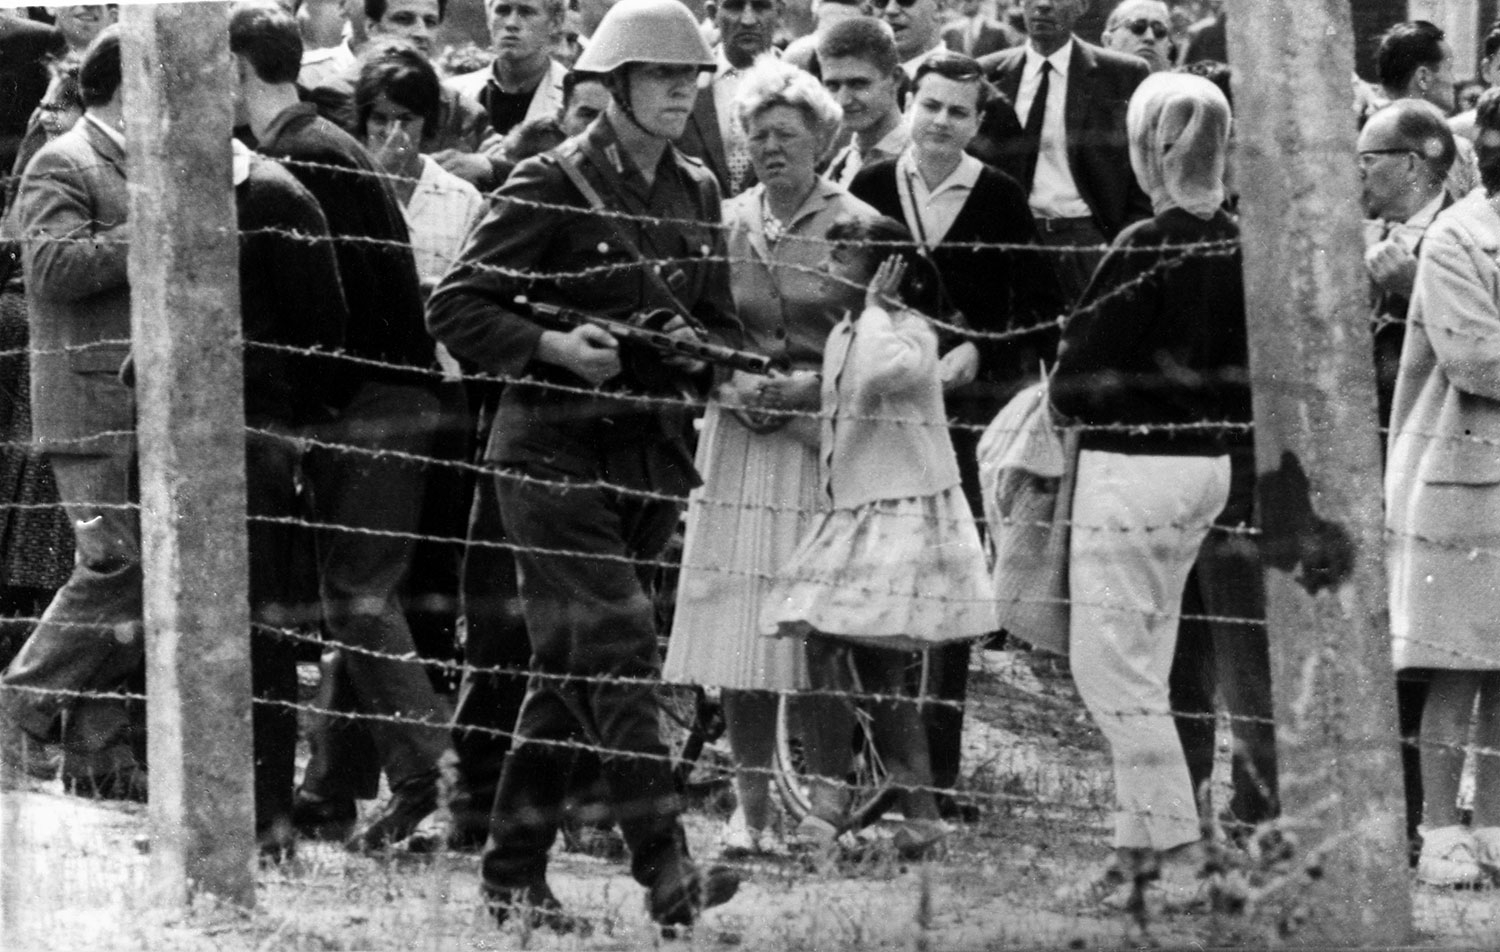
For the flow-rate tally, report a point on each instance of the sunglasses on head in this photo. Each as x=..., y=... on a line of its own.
x=1139, y=27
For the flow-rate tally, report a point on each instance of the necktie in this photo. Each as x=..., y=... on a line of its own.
x=1034, y=120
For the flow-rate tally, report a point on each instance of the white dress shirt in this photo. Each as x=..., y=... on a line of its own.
x=931, y=212
x=442, y=210
x=1054, y=193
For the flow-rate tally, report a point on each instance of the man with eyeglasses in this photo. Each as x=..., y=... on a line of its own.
x=1141, y=28
x=1072, y=155
x=1405, y=152
x=746, y=29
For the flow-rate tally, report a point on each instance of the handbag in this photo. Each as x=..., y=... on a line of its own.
x=1028, y=466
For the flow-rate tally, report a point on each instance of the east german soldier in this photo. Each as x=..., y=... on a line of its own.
x=616, y=222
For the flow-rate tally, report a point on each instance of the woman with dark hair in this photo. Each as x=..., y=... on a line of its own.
x=397, y=100
x=36, y=538
x=894, y=566
x=973, y=222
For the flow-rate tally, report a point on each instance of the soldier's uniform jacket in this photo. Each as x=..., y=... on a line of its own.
x=542, y=240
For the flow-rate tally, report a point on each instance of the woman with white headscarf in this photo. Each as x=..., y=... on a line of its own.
x=1152, y=366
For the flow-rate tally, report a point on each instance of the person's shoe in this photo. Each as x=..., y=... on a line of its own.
x=277, y=843
x=534, y=907
x=410, y=804
x=682, y=891
x=814, y=834
x=1449, y=859
x=953, y=809
x=330, y=820
x=1178, y=887
x=920, y=839
x=1111, y=887
x=599, y=840
x=109, y=774
x=1487, y=851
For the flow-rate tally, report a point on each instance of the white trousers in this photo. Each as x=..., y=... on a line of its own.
x=1138, y=522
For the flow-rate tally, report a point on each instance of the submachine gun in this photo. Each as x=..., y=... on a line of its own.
x=643, y=343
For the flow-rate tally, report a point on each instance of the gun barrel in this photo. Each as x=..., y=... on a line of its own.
x=744, y=360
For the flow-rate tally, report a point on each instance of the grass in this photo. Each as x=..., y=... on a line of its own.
x=75, y=875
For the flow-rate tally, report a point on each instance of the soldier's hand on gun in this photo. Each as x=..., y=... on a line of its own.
x=679, y=328
x=589, y=351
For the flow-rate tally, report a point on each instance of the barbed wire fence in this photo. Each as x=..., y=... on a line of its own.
x=1330, y=871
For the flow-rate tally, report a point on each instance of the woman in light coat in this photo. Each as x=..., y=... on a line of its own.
x=1442, y=496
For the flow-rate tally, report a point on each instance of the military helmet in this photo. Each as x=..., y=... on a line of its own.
x=645, y=31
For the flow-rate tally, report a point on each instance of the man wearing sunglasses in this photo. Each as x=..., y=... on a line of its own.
x=1072, y=154
x=1141, y=28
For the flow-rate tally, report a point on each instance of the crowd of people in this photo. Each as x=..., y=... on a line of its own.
x=911, y=214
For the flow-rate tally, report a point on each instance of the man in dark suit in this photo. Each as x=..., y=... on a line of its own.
x=1072, y=154
x=746, y=28
x=385, y=413
x=977, y=34
x=71, y=209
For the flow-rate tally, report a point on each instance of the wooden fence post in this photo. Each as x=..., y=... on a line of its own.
x=184, y=279
x=1317, y=450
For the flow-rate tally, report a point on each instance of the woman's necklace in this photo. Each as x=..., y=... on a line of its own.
x=774, y=227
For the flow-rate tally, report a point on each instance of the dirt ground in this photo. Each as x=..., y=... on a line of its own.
x=76, y=875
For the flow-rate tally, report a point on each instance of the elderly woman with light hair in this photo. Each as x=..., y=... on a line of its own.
x=1153, y=367
x=758, y=452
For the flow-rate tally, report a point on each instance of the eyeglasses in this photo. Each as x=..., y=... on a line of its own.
x=761, y=7
x=882, y=4
x=1139, y=27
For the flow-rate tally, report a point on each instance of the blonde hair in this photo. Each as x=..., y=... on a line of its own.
x=770, y=82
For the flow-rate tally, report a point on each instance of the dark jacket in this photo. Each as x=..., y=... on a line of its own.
x=999, y=290
x=528, y=245
x=1100, y=84
x=373, y=247
x=1156, y=344
x=24, y=49
x=290, y=294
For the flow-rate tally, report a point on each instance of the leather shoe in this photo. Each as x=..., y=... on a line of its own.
x=682, y=891
x=277, y=842
x=535, y=907
x=318, y=819
x=410, y=804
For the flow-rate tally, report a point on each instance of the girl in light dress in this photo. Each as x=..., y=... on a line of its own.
x=895, y=565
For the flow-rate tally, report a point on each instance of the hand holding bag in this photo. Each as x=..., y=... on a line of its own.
x=1027, y=469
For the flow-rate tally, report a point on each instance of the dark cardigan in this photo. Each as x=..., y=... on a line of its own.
x=998, y=290
x=1156, y=345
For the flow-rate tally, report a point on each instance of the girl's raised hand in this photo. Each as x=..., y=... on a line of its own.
x=885, y=286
